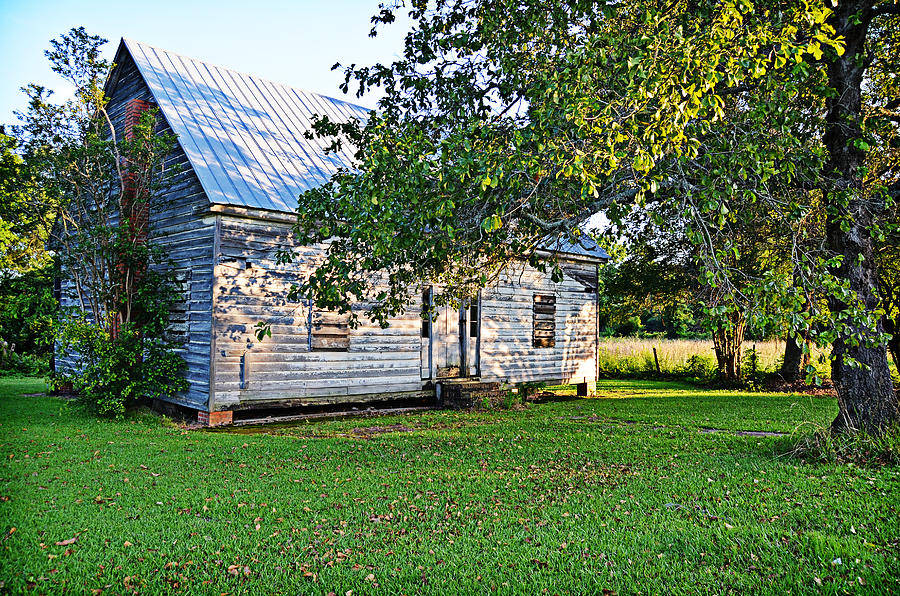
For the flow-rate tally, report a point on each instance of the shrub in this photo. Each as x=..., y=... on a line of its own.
x=860, y=448
x=115, y=372
x=27, y=311
x=700, y=367
x=529, y=389
x=12, y=363
x=753, y=369
x=632, y=326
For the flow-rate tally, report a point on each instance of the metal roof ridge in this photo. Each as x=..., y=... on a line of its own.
x=129, y=40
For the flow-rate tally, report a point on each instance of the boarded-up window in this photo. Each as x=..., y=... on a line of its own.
x=329, y=331
x=544, y=321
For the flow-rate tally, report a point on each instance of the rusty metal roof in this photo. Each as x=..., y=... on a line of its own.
x=583, y=246
x=243, y=135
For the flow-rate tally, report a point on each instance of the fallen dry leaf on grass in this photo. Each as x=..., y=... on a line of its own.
x=239, y=569
x=68, y=542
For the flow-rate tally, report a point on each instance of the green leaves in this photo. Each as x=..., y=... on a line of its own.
x=492, y=223
x=118, y=371
x=501, y=125
x=88, y=189
x=815, y=49
x=262, y=330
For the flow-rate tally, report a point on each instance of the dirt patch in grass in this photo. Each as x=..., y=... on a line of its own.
x=552, y=396
x=702, y=429
x=370, y=432
x=743, y=433
x=779, y=386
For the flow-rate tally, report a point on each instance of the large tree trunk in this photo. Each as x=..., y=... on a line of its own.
x=727, y=340
x=866, y=395
x=796, y=359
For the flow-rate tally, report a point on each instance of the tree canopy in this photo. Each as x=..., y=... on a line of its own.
x=508, y=122
x=89, y=193
x=504, y=123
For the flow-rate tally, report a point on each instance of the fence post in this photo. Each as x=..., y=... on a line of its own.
x=755, y=358
x=656, y=359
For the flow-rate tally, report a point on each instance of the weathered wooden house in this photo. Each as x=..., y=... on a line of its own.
x=244, y=161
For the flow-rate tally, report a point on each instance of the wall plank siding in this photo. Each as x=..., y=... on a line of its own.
x=251, y=287
x=343, y=364
x=508, y=326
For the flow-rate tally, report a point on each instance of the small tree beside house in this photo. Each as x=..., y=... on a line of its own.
x=96, y=175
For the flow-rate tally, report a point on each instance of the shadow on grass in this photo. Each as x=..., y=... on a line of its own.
x=554, y=398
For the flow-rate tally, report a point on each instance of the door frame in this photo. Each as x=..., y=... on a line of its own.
x=470, y=364
x=427, y=332
x=470, y=355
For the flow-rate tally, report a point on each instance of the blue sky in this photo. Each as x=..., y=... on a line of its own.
x=289, y=42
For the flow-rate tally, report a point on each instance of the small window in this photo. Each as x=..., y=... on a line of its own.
x=544, y=321
x=473, y=319
x=329, y=331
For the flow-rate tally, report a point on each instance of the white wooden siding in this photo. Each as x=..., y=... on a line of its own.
x=378, y=362
x=507, y=353
x=251, y=287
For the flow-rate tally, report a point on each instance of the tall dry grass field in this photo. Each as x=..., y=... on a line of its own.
x=695, y=357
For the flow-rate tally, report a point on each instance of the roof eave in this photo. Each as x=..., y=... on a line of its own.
x=571, y=256
x=113, y=78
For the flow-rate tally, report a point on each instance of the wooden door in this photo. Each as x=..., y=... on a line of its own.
x=470, y=323
x=446, y=342
x=453, y=342
x=425, y=349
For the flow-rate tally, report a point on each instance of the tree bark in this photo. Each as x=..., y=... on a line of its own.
x=795, y=358
x=727, y=340
x=866, y=396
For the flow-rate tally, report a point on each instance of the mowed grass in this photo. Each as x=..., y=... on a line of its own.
x=672, y=403
x=564, y=496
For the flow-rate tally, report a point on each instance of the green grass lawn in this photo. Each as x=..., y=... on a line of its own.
x=570, y=496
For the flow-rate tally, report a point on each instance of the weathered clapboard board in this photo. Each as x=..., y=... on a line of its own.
x=312, y=354
x=534, y=329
